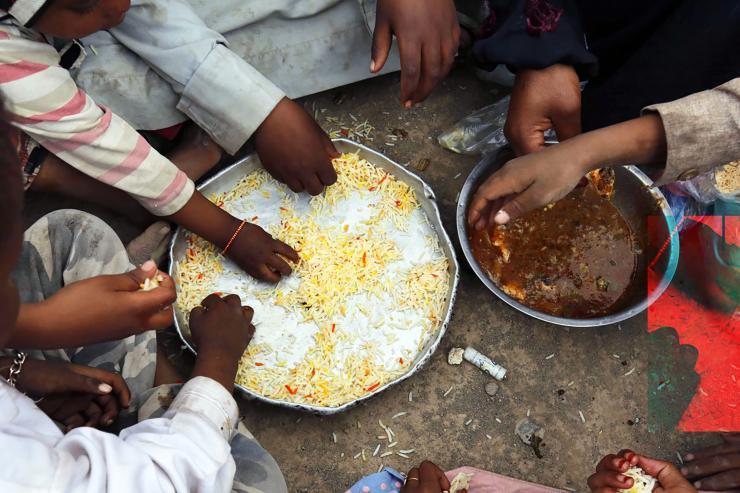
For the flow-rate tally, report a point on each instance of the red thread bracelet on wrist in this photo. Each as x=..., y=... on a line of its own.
x=233, y=237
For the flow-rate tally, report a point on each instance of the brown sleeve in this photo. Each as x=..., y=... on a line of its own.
x=702, y=131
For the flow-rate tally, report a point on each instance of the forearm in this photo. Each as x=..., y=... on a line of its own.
x=207, y=220
x=640, y=141
x=41, y=327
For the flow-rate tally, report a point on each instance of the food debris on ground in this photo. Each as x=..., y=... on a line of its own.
x=460, y=482
x=455, y=356
x=530, y=433
x=422, y=164
x=447, y=392
x=643, y=482
x=583, y=418
x=485, y=363
x=491, y=388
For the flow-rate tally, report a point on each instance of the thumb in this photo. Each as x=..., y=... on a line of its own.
x=666, y=473
x=132, y=280
x=147, y=270
x=567, y=126
x=382, y=40
x=331, y=150
x=519, y=205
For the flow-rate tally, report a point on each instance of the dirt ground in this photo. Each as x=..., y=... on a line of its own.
x=585, y=374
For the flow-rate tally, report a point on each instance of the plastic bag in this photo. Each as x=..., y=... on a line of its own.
x=701, y=188
x=481, y=132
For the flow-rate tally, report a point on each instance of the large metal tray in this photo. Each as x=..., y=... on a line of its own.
x=227, y=179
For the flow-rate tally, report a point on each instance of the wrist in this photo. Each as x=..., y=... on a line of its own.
x=218, y=365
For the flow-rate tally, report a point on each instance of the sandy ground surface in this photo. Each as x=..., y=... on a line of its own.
x=586, y=373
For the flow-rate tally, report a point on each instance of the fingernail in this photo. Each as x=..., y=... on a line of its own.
x=372, y=65
x=105, y=388
x=689, y=457
x=148, y=265
x=164, y=229
x=697, y=484
x=108, y=421
x=501, y=217
x=621, y=478
x=684, y=471
x=407, y=104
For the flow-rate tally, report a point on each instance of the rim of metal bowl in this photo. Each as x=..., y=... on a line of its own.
x=420, y=362
x=466, y=194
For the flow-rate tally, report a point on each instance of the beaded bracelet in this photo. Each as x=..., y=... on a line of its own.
x=233, y=237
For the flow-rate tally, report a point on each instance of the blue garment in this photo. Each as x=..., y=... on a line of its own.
x=386, y=481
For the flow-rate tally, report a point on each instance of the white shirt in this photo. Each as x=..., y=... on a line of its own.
x=186, y=450
x=169, y=61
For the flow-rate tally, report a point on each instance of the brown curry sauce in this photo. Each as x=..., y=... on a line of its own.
x=574, y=258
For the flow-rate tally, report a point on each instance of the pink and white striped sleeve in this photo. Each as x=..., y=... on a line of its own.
x=45, y=102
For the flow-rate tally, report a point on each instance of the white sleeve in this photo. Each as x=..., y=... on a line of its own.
x=218, y=90
x=186, y=450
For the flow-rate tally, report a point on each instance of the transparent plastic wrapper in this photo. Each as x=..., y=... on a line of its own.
x=481, y=132
x=683, y=204
x=701, y=188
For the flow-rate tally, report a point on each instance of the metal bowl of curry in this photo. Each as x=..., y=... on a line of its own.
x=588, y=260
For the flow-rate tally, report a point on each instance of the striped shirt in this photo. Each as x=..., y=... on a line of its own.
x=45, y=102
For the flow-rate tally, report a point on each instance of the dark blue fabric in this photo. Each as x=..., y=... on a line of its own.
x=634, y=52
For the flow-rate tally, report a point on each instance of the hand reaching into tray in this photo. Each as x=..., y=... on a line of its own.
x=295, y=150
x=262, y=256
x=543, y=177
x=222, y=329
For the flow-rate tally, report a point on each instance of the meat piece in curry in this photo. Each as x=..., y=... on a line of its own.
x=574, y=258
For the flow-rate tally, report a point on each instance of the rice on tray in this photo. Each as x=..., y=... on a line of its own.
x=368, y=293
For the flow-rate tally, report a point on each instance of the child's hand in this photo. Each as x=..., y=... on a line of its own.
x=295, y=150
x=427, y=478
x=259, y=254
x=609, y=476
x=428, y=36
x=98, y=309
x=526, y=183
x=221, y=329
x=74, y=395
x=715, y=468
x=542, y=99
